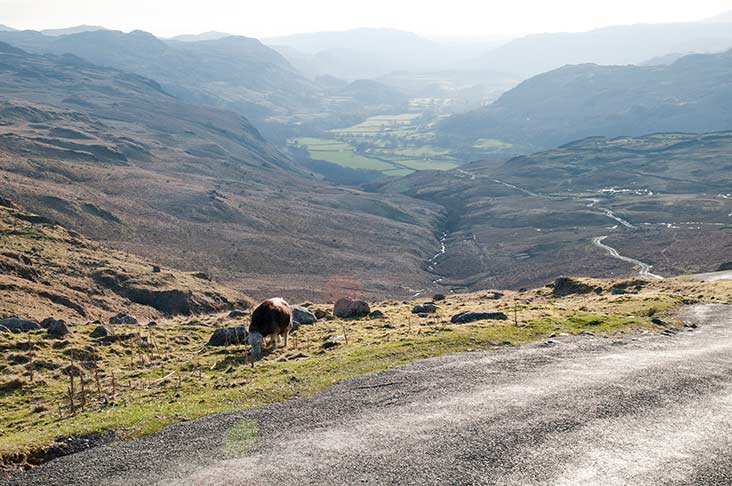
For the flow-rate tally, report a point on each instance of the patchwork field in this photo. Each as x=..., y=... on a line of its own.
x=394, y=145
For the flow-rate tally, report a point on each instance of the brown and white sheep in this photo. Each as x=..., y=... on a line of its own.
x=273, y=318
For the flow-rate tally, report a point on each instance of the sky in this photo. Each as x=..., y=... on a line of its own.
x=267, y=18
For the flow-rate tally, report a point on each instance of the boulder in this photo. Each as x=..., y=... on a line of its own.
x=227, y=336
x=16, y=324
x=564, y=286
x=346, y=308
x=301, y=315
x=102, y=331
x=473, y=316
x=426, y=308
x=123, y=318
x=377, y=314
x=57, y=328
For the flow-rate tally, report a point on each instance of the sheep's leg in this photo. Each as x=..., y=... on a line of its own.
x=287, y=333
x=274, y=342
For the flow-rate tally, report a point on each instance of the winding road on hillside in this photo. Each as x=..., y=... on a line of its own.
x=648, y=411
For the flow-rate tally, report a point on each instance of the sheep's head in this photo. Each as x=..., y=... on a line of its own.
x=255, y=341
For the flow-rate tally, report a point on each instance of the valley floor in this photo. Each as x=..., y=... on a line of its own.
x=584, y=410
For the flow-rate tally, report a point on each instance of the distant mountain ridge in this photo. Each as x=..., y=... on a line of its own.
x=693, y=94
x=235, y=73
x=618, y=45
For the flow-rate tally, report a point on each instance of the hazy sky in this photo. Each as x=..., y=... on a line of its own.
x=263, y=18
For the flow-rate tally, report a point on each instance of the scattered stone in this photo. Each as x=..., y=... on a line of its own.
x=423, y=315
x=302, y=316
x=16, y=324
x=227, y=336
x=615, y=291
x=377, y=314
x=320, y=314
x=586, y=333
x=152, y=324
x=549, y=343
x=438, y=297
x=333, y=341
x=493, y=296
x=346, y=308
x=201, y=275
x=57, y=328
x=102, y=331
x=691, y=325
x=424, y=309
x=10, y=386
x=473, y=316
x=237, y=314
x=564, y=286
x=18, y=359
x=668, y=332
x=389, y=326
x=660, y=322
x=156, y=269
x=123, y=318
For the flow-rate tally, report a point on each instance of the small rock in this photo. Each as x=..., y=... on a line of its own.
x=332, y=342
x=16, y=324
x=156, y=269
x=660, y=322
x=691, y=325
x=226, y=336
x=424, y=309
x=237, y=314
x=586, y=333
x=320, y=314
x=201, y=275
x=564, y=286
x=616, y=291
x=471, y=316
x=123, y=318
x=152, y=324
x=57, y=328
x=493, y=296
x=102, y=331
x=423, y=315
x=346, y=308
x=302, y=315
x=377, y=314
x=389, y=326
x=438, y=297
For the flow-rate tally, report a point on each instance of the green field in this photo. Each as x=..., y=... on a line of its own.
x=395, y=145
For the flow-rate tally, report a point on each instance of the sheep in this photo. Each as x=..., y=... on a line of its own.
x=272, y=317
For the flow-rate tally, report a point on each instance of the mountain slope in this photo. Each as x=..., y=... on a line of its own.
x=693, y=94
x=235, y=73
x=112, y=155
x=48, y=271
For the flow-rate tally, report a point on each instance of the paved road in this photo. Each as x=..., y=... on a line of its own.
x=713, y=276
x=644, y=269
x=652, y=410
